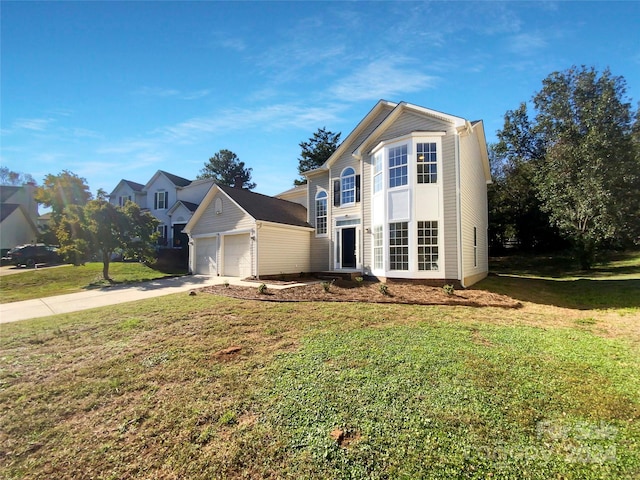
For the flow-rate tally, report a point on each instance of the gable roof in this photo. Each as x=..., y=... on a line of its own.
x=192, y=207
x=268, y=209
x=394, y=111
x=135, y=186
x=8, y=191
x=178, y=181
x=6, y=209
x=175, y=179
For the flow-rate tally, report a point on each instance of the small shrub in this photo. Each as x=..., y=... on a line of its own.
x=448, y=289
x=384, y=289
x=262, y=289
x=226, y=283
x=359, y=280
x=326, y=286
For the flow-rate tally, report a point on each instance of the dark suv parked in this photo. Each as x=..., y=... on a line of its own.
x=30, y=255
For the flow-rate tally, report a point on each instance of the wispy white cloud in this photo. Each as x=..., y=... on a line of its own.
x=173, y=93
x=33, y=124
x=384, y=78
x=526, y=43
x=235, y=44
x=272, y=117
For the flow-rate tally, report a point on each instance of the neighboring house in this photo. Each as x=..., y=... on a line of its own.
x=128, y=191
x=235, y=232
x=403, y=197
x=297, y=194
x=169, y=198
x=18, y=216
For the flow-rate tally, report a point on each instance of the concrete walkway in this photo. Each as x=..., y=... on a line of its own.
x=73, y=302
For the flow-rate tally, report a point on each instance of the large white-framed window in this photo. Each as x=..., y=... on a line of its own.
x=427, y=162
x=161, y=200
x=348, y=186
x=377, y=172
x=428, y=245
x=378, y=247
x=321, y=213
x=123, y=199
x=398, y=172
x=399, y=246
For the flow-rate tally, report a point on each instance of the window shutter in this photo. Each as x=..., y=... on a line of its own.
x=155, y=201
x=336, y=193
x=357, y=188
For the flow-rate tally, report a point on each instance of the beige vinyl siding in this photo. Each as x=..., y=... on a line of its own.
x=450, y=205
x=283, y=249
x=319, y=248
x=473, y=209
x=410, y=122
x=231, y=218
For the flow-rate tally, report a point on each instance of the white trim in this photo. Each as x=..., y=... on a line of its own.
x=456, y=163
x=228, y=232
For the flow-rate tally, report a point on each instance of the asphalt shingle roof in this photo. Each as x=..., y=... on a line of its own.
x=268, y=209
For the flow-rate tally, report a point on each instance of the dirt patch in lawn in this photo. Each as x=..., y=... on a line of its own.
x=369, y=292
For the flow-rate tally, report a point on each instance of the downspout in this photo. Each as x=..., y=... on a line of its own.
x=362, y=227
x=459, y=211
x=255, y=248
x=330, y=222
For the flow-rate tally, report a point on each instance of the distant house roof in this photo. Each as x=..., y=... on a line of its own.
x=268, y=209
x=178, y=181
x=135, y=186
x=296, y=189
x=7, y=191
x=192, y=207
x=7, y=209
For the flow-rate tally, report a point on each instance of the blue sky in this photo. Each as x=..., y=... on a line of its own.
x=112, y=90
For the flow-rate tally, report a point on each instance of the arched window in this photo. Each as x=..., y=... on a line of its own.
x=321, y=213
x=348, y=186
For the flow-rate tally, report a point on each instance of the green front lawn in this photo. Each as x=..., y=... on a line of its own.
x=205, y=387
x=45, y=282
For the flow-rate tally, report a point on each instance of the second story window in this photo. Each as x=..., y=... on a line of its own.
x=346, y=189
x=377, y=172
x=348, y=186
x=398, y=174
x=160, y=201
x=321, y=213
x=427, y=163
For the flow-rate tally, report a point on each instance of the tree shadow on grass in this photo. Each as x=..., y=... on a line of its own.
x=579, y=293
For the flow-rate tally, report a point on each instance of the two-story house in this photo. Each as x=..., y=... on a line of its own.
x=404, y=196
x=169, y=198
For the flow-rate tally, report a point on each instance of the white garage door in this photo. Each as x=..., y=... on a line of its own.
x=237, y=256
x=206, y=256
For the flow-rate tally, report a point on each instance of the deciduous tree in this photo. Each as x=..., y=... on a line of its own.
x=590, y=178
x=62, y=190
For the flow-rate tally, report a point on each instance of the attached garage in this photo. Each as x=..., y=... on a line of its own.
x=206, y=256
x=252, y=234
x=237, y=255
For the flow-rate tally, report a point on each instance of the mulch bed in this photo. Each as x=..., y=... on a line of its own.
x=368, y=292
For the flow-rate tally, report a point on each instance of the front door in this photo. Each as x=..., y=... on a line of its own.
x=348, y=248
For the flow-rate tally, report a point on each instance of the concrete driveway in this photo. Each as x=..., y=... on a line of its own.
x=73, y=302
